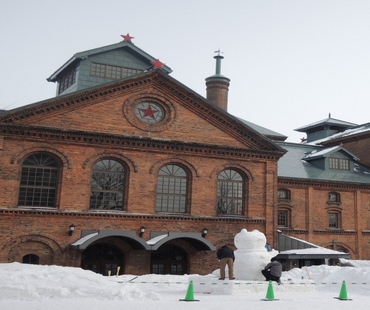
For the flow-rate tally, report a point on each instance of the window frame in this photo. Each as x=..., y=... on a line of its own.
x=31, y=259
x=286, y=195
x=333, y=198
x=286, y=218
x=337, y=220
x=172, y=192
x=111, y=72
x=336, y=163
x=39, y=181
x=67, y=80
x=231, y=205
x=119, y=179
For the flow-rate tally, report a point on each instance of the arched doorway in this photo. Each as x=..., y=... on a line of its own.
x=103, y=258
x=169, y=259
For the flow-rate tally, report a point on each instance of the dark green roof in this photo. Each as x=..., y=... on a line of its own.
x=264, y=131
x=294, y=164
x=326, y=122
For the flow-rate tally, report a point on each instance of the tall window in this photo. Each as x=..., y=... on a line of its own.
x=107, y=185
x=338, y=163
x=39, y=180
x=334, y=219
x=283, y=218
x=172, y=189
x=230, y=192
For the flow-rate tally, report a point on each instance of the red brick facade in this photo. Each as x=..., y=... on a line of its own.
x=309, y=209
x=80, y=129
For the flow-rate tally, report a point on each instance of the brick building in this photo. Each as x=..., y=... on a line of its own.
x=324, y=188
x=127, y=167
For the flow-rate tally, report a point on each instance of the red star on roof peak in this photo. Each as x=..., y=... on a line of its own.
x=157, y=64
x=126, y=37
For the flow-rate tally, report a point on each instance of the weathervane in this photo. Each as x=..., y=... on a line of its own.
x=219, y=52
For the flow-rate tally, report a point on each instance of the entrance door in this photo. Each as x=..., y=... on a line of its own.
x=102, y=258
x=169, y=259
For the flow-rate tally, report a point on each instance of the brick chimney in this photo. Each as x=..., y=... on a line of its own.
x=218, y=85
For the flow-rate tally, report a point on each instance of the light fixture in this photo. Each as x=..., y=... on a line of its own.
x=205, y=232
x=71, y=229
x=142, y=231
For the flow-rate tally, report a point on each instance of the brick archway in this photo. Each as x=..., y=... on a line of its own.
x=44, y=247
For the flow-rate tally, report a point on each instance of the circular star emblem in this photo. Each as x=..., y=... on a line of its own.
x=149, y=112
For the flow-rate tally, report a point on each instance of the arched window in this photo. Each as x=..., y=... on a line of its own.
x=230, y=192
x=107, y=185
x=30, y=259
x=39, y=180
x=333, y=197
x=172, y=189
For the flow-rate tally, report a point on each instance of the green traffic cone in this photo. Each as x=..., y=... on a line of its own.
x=270, y=292
x=343, y=292
x=190, y=293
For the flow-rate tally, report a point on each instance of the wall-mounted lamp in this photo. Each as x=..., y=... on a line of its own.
x=142, y=231
x=71, y=229
x=204, y=232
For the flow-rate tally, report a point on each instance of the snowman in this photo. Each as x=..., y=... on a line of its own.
x=251, y=255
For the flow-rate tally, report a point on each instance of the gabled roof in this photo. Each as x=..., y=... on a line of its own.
x=252, y=139
x=325, y=122
x=120, y=45
x=327, y=152
x=294, y=164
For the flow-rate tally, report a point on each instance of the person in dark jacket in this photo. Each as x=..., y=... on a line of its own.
x=273, y=270
x=226, y=257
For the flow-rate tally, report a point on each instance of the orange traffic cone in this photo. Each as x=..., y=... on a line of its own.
x=190, y=293
x=343, y=292
x=270, y=293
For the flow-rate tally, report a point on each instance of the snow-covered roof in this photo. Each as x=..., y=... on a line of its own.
x=318, y=250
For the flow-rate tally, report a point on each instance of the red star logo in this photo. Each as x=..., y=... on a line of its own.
x=149, y=112
x=157, y=64
x=126, y=37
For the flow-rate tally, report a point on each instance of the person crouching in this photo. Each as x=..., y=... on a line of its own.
x=273, y=270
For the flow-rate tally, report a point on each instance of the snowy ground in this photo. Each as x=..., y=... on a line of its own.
x=33, y=287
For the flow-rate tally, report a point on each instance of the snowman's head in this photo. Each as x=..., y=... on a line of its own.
x=250, y=240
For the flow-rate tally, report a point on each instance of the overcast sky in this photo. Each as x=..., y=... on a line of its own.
x=290, y=62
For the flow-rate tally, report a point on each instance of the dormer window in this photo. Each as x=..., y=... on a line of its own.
x=338, y=163
x=283, y=194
